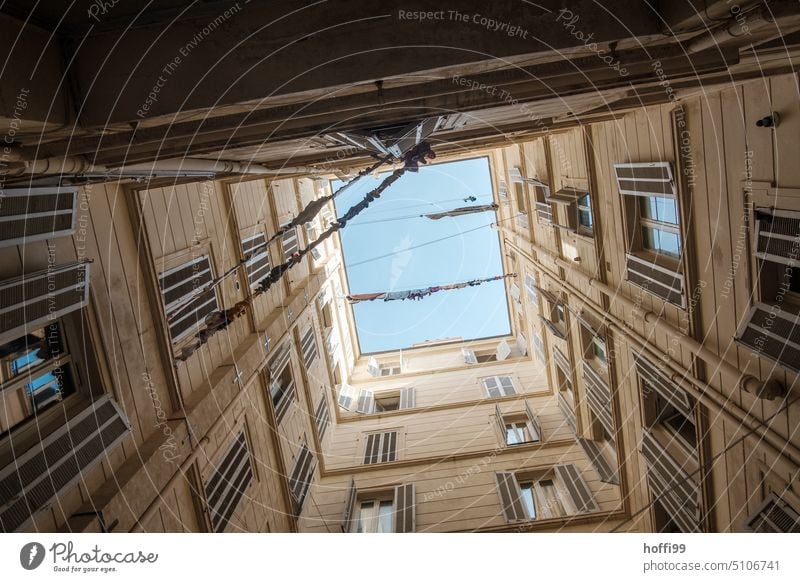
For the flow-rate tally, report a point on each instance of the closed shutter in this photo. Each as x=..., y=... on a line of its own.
x=256, y=253
x=533, y=423
x=380, y=448
x=508, y=490
x=568, y=412
x=675, y=489
x=501, y=425
x=31, y=214
x=598, y=396
x=39, y=475
x=660, y=281
x=289, y=243
x=645, y=179
x=301, y=477
x=530, y=289
x=778, y=236
x=404, y=508
x=503, y=351
x=228, y=483
x=347, y=397
x=185, y=304
x=578, y=490
x=668, y=390
x=37, y=299
x=308, y=347
x=774, y=515
x=469, y=356
x=608, y=474
x=373, y=367
x=771, y=332
x=349, y=506
x=366, y=402
x=322, y=417
x=408, y=398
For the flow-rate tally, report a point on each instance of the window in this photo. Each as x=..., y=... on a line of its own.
x=256, y=253
x=186, y=303
x=308, y=347
x=289, y=243
x=228, y=483
x=301, y=477
x=387, y=511
x=31, y=214
x=498, y=386
x=381, y=447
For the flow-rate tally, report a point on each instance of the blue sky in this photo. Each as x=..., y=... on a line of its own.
x=474, y=312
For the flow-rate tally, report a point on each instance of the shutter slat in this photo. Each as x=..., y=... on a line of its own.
x=577, y=488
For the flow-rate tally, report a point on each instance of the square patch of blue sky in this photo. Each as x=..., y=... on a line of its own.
x=389, y=247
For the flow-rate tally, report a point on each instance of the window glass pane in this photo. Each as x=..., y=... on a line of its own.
x=526, y=489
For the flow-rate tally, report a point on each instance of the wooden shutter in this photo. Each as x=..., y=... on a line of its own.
x=675, y=489
x=228, y=483
x=186, y=307
x=373, y=367
x=501, y=424
x=308, y=347
x=608, y=474
x=404, y=508
x=366, y=402
x=347, y=397
x=503, y=351
x=773, y=333
x=668, y=390
x=578, y=490
x=777, y=235
x=645, y=179
x=568, y=412
x=533, y=421
x=598, y=397
x=40, y=474
x=408, y=398
x=508, y=490
x=349, y=506
x=774, y=515
x=31, y=214
x=469, y=356
x=37, y=299
x=257, y=265
x=301, y=477
x=380, y=447
x=660, y=281
x=322, y=417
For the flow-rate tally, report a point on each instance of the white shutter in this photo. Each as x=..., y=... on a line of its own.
x=503, y=351
x=31, y=214
x=404, y=509
x=522, y=344
x=469, y=356
x=407, y=397
x=645, y=179
x=366, y=402
x=347, y=396
x=373, y=367
x=510, y=497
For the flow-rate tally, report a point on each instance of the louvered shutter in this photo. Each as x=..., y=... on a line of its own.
x=366, y=402
x=469, y=356
x=508, y=490
x=668, y=390
x=322, y=417
x=228, y=483
x=608, y=474
x=777, y=235
x=185, y=303
x=301, y=477
x=349, y=506
x=40, y=474
x=347, y=396
x=408, y=398
x=774, y=515
x=31, y=214
x=257, y=264
x=492, y=386
x=501, y=425
x=503, y=351
x=522, y=344
x=578, y=490
x=771, y=332
x=37, y=299
x=660, y=281
x=404, y=508
x=373, y=367
x=598, y=396
x=533, y=423
x=645, y=179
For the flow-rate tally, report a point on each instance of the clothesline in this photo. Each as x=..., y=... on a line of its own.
x=417, y=294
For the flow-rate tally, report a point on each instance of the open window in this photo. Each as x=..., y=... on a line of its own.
x=518, y=428
x=380, y=511
x=655, y=245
